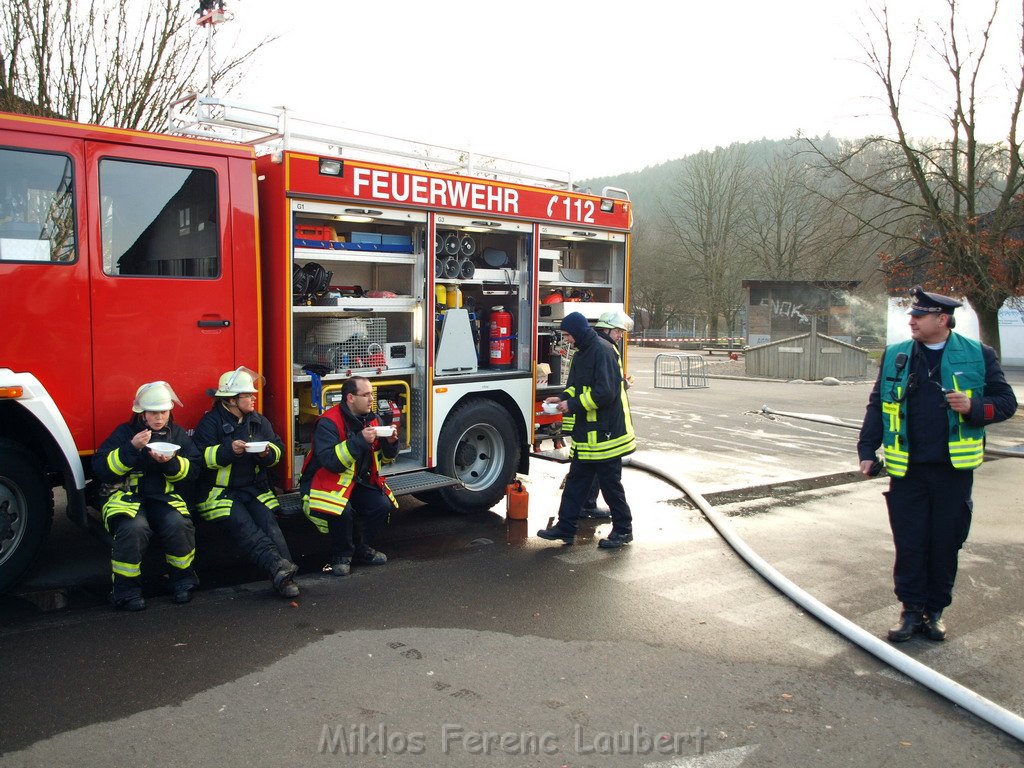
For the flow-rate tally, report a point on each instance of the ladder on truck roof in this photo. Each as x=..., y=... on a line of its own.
x=276, y=129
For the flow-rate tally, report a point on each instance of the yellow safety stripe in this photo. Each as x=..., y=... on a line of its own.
x=274, y=449
x=183, y=562
x=184, y=466
x=270, y=500
x=587, y=399
x=210, y=457
x=128, y=570
x=319, y=522
x=115, y=464
x=344, y=455
x=327, y=502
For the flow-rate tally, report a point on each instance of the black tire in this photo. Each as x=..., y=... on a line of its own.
x=26, y=511
x=478, y=446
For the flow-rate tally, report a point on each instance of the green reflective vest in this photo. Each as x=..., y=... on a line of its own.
x=962, y=369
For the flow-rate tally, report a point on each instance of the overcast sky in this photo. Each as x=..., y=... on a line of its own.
x=591, y=86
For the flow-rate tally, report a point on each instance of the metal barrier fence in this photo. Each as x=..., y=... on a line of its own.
x=680, y=371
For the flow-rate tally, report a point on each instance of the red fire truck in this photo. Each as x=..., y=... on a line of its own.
x=247, y=237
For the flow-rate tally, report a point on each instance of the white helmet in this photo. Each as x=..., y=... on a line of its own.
x=615, y=318
x=155, y=396
x=240, y=381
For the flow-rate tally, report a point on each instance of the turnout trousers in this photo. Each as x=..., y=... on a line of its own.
x=608, y=475
x=253, y=527
x=930, y=515
x=356, y=530
x=132, y=536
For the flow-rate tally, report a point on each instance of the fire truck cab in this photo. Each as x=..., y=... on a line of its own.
x=128, y=257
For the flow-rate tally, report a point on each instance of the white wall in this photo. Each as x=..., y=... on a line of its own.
x=1011, y=328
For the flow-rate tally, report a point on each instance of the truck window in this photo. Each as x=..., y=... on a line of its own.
x=37, y=221
x=159, y=220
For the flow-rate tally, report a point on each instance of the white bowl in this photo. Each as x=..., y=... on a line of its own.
x=387, y=431
x=549, y=407
x=164, y=449
x=257, y=446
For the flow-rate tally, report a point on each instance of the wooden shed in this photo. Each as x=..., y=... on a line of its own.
x=811, y=356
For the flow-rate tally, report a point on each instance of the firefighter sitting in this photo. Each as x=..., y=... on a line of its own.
x=343, y=492
x=239, y=446
x=140, y=465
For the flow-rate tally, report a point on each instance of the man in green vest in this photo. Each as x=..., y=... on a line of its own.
x=928, y=410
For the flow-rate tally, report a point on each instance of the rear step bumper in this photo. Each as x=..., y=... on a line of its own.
x=400, y=485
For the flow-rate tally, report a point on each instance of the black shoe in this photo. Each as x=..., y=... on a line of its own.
x=554, y=533
x=934, y=626
x=284, y=573
x=182, y=596
x=595, y=513
x=128, y=603
x=341, y=567
x=911, y=621
x=615, y=540
x=287, y=588
x=370, y=556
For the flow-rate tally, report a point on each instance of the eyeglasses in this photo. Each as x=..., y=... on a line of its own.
x=364, y=394
x=250, y=395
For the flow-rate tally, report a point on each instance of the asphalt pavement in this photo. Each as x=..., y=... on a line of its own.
x=479, y=644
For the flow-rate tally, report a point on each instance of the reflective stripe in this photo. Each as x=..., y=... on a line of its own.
x=274, y=449
x=128, y=570
x=270, y=500
x=184, y=466
x=327, y=502
x=966, y=453
x=119, y=504
x=115, y=464
x=344, y=455
x=313, y=517
x=210, y=457
x=183, y=562
x=215, y=507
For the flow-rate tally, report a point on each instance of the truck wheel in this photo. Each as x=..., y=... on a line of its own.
x=477, y=446
x=26, y=511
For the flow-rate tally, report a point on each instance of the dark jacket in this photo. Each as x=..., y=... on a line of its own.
x=221, y=465
x=119, y=463
x=596, y=398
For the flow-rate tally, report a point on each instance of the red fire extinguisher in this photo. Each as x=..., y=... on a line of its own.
x=501, y=338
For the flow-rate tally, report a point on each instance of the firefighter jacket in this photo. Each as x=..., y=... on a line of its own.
x=907, y=413
x=339, y=459
x=595, y=394
x=129, y=476
x=227, y=476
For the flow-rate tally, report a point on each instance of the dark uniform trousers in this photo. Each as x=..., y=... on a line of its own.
x=582, y=475
x=133, y=534
x=930, y=515
x=252, y=525
x=356, y=530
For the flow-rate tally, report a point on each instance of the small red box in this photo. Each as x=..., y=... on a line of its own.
x=307, y=232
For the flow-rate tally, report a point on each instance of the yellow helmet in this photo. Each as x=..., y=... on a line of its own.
x=240, y=381
x=615, y=318
x=154, y=396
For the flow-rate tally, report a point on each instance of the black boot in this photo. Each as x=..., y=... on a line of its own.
x=911, y=621
x=934, y=626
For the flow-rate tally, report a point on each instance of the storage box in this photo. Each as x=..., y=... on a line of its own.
x=398, y=354
x=310, y=232
x=399, y=240
x=592, y=310
x=371, y=238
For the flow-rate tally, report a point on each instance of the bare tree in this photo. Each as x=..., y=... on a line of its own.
x=112, y=62
x=952, y=205
x=703, y=217
x=794, y=232
x=656, y=284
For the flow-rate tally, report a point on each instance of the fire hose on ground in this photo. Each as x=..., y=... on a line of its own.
x=987, y=710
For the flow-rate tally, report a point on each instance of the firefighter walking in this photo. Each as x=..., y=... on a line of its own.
x=140, y=466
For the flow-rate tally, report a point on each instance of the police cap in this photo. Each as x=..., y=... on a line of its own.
x=926, y=303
